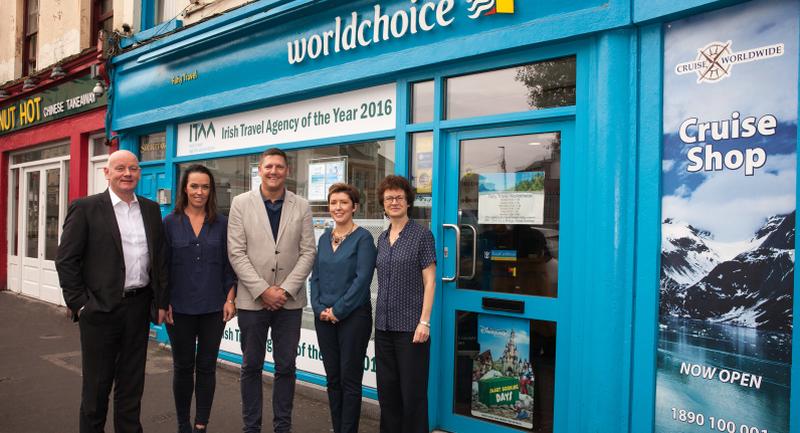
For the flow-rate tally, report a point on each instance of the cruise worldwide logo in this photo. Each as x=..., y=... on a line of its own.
x=490, y=7
x=715, y=61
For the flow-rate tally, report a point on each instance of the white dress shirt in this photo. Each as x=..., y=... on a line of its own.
x=134, y=241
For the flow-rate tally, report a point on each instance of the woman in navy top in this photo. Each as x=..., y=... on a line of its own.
x=201, y=287
x=340, y=298
x=406, y=266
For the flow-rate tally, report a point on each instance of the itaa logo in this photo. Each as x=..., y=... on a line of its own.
x=490, y=7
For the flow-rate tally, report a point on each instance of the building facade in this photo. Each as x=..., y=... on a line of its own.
x=52, y=127
x=611, y=186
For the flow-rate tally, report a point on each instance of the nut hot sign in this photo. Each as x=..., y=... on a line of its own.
x=54, y=103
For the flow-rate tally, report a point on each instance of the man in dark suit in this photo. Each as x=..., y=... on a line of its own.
x=111, y=266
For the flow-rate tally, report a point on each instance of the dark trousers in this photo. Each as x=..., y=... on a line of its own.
x=195, y=342
x=113, y=353
x=343, y=347
x=402, y=378
x=254, y=326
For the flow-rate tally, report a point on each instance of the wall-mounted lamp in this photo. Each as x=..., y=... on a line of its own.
x=99, y=89
x=29, y=83
x=57, y=72
x=4, y=94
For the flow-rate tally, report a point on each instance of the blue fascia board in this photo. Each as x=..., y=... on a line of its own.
x=647, y=11
x=255, y=12
x=144, y=35
x=370, y=70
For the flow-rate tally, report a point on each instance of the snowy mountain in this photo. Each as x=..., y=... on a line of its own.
x=753, y=288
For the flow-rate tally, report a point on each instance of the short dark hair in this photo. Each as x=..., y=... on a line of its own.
x=396, y=182
x=183, y=198
x=272, y=151
x=348, y=189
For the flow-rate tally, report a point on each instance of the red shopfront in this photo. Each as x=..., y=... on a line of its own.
x=53, y=148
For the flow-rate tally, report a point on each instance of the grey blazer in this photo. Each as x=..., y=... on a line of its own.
x=259, y=261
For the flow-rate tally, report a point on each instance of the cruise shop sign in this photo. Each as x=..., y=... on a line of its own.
x=54, y=103
x=729, y=170
x=356, y=112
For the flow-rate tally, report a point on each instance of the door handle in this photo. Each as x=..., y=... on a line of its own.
x=457, y=254
x=474, y=251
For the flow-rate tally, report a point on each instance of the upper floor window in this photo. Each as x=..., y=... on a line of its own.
x=102, y=16
x=169, y=9
x=30, y=41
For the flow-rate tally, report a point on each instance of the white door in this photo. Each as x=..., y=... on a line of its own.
x=44, y=190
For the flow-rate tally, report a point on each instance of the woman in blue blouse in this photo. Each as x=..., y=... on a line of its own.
x=340, y=298
x=201, y=283
x=406, y=266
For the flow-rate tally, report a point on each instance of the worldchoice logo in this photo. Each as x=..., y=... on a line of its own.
x=490, y=7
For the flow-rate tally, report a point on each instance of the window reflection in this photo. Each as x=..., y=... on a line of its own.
x=545, y=84
x=509, y=204
x=422, y=102
x=367, y=163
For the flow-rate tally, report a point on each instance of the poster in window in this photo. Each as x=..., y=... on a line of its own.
x=728, y=220
x=502, y=374
x=511, y=198
x=324, y=173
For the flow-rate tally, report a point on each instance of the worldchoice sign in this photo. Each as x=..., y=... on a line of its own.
x=54, y=103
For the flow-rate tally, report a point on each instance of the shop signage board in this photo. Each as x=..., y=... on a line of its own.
x=309, y=357
x=728, y=220
x=357, y=112
x=57, y=102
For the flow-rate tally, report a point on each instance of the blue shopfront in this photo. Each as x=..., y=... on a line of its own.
x=611, y=186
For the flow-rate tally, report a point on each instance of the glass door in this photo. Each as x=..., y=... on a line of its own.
x=42, y=207
x=500, y=278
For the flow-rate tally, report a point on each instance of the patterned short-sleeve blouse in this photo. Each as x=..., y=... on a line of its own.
x=400, y=285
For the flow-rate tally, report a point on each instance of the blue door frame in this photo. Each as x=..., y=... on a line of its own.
x=538, y=308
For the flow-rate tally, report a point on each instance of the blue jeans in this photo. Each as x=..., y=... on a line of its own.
x=254, y=326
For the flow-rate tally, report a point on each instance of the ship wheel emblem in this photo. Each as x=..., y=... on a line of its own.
x=711, y=55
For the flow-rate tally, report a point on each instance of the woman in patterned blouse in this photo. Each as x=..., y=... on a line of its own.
x=406, y=267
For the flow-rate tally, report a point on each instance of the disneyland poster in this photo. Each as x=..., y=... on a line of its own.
x=728, y=220
x=502, y=375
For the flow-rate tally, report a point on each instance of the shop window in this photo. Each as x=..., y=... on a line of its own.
x=505, y=370
x=53, y=191
x=32, y=215
x=30, y=42
x=102, y=16
x=422, y=175
x=153, y=147
x=99, y=147
x=535, y=86
x=422, y=102
x=362, y=165
x=40, y=153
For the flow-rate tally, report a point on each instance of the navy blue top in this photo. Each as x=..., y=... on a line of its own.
x=274, y=209
x=199, y=272
x=341, y=278
x=400, y=285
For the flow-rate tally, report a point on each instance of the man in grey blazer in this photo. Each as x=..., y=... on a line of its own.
x=271, y=247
